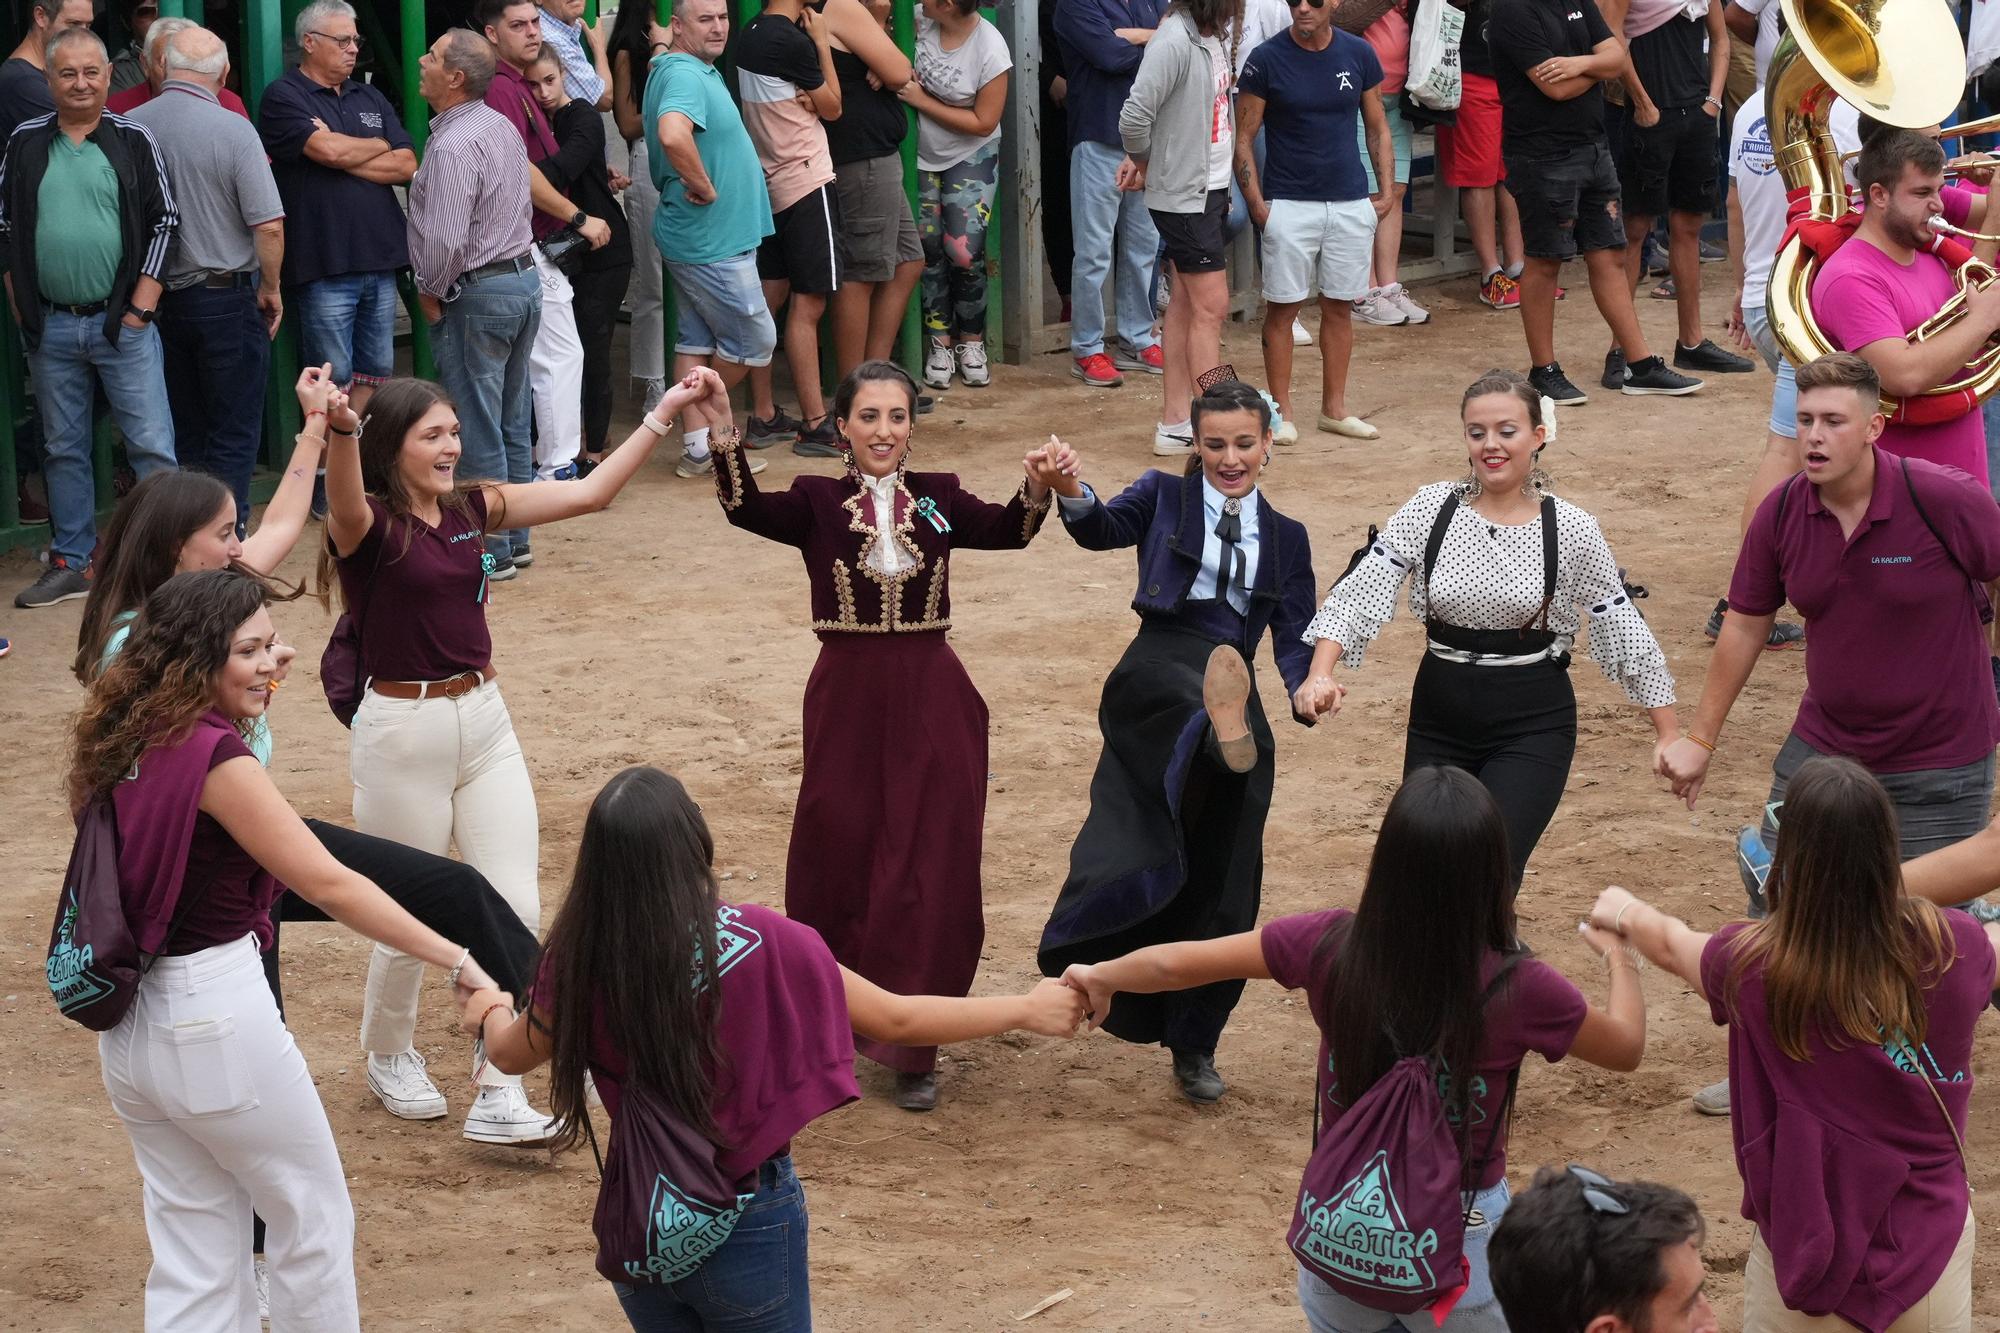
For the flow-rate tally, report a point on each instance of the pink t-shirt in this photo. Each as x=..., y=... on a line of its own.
x=1849, y=1170
x=786, y=1052
x=1862, y=296
x=1537, y=1009
x=1390, y=36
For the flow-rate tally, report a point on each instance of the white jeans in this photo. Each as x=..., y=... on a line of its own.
x=429, y=773
x=648, y=333
x=555, y=373
x=224, y=1119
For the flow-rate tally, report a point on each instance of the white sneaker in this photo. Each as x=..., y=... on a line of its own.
x=690, y=467
x=400, y=1081
x=972, y=365
x=262, y=1274
x=1376, y=308
x=1171, y=443
x=938, y=364
x=502, y=1115
x=1300, y=338
x=650, y=396
x=1399, y=296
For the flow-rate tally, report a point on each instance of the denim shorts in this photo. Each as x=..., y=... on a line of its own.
x=1569, y=202
x=350, y=321
x=1784, y=393
x=756, y=1280
x=1478, y=1311
x=722, y=311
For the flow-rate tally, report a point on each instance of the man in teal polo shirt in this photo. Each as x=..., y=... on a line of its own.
x=713, y=212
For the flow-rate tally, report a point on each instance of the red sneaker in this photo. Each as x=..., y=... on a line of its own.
x=1149, y=359
x=1096, y=371
x=1500, y=291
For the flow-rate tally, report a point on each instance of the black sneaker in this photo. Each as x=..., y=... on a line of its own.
x=1713, y=629
x=524, y=555
x=924, y=404
x=1654, y=376
x=1705, y=355
x=1551, y=383
x=759, y=433
x=319, y=496
x=1784, y=633
x=60, y=582
x=821, y=441
x=1614, y=369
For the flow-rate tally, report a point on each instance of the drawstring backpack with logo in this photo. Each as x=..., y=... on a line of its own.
x=663, y=1204
x=1384, y=1203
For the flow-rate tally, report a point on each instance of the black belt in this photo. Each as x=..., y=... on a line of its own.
x=217, y=282
x=520, y=263
x=80, y=311
x=1496, y=642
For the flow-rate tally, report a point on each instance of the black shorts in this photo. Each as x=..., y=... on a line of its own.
x=1197, y=242
x=803, y=247
x=1670, y=166
x=1568, y=203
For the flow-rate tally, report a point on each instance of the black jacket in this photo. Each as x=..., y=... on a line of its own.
x=146, y=213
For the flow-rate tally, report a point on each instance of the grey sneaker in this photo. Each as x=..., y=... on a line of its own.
x=1655, y=376
x=760, y=433
x=821, y=441
x=650, y=395
x=1614, y=369
x=1713, y=1099
x=60, y=582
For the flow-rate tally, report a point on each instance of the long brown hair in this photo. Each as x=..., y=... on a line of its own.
x=1845, y=957
x=393, y=412
x=164, y=680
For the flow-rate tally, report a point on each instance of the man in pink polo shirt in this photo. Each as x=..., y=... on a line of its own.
x=1883, y=283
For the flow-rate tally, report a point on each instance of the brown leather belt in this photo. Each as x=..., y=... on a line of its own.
x=452, y=687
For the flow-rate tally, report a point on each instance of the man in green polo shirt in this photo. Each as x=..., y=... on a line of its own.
x=714, y=211
x=83, y=252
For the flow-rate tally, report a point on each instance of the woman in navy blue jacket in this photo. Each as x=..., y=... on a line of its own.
x=1173, y=847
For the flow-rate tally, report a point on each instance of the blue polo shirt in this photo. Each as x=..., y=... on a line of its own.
x=335, y=223
x=740, y=217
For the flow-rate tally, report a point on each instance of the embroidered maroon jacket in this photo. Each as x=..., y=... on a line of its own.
x=831, y=521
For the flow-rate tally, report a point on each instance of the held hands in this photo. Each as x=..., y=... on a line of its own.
x=472, y=977
x=1131, y=176
x=1085, y=981
x=1604, y=913
x=340, y=416
x=474, y=1005
x=1320, y=696
x=1054, y=1009
x=1055, y=467
x=1684, y=764
x=620, y=182
x=700, y=388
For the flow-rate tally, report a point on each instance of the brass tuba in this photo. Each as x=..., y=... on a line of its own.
x=1900, y=61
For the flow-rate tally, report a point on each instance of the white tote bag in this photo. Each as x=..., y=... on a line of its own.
x=1434, y=74
x=1982, y=45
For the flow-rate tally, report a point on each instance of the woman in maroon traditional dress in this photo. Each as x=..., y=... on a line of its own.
x=892, y=722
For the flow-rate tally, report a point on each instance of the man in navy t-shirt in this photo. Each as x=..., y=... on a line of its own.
x=1304, y=87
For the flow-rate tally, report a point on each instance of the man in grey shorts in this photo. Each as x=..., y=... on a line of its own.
x=881, y=258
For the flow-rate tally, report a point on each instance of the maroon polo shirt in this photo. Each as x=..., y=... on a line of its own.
x=1896, y=659
x=509, y=94
x=419, y=593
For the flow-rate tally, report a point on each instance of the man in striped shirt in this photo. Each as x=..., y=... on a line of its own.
x=469, y=239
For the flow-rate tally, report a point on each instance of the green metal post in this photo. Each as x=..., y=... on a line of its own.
x=263, y=35
x=172, y=9
x=995, y=337
x=416, y=119
x=670, y=320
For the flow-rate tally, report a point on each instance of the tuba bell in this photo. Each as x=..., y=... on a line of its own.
x=1900, y=61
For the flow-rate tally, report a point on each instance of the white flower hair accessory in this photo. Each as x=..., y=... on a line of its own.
x=1548, y=419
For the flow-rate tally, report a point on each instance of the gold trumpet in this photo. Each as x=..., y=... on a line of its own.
x=1884, y=57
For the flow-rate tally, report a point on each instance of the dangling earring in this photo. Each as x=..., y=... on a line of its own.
x=1537, y=481
x=1267, y=458
x=1471, y=485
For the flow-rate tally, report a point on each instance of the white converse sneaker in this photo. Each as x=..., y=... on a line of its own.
x=1300, y=338
x=972, y=365
x=1377, y=308
x=502, y=1115
x=1399, y=296
x=938, y=364
x=261, y=1273
x=405, y=1089
x=1173, y=442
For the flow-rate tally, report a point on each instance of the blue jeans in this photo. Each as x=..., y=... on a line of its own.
x=1101, y=217
x=755, y=1283
x=1478, y=1311
x=71, y=361
x=216, y=353
x=482, y=346
x=349, y=321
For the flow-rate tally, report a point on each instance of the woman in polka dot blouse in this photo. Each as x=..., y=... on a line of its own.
x=1503, y=574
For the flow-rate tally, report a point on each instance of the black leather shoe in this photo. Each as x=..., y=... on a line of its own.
x=916, y=1092
x=1196, y=1075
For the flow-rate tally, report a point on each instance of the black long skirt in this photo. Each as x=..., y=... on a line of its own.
x=1173, y=847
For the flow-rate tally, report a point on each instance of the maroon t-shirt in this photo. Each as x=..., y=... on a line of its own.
x=786, y=1050
x=1849, y=1169
x=1537, y=1010
x=1896, y=660
x=508, y=93
x=422, y=610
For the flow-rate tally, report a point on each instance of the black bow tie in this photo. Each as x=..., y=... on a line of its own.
x=1234, y=573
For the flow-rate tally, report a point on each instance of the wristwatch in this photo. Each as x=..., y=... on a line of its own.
x=145, y=316
x=578, y=218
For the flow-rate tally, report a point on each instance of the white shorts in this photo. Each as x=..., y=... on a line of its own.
x=1311, y=248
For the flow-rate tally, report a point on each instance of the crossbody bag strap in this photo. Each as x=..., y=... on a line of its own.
x=1549, y=533
x=1916, y=501
x=1506, y=1107
x=1435, y=543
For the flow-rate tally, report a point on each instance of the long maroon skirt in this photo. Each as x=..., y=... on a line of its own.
x=884, y=860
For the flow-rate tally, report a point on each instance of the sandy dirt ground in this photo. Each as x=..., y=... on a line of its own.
x=656, y=634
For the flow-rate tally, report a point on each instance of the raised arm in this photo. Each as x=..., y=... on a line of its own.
x=1097, y=526
x=980, y=525
x=291, y=504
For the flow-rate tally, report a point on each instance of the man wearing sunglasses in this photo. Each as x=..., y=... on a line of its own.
x=1578, y=1253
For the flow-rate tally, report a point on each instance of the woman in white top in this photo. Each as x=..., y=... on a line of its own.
x=959, y=92
x=1502, y=573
